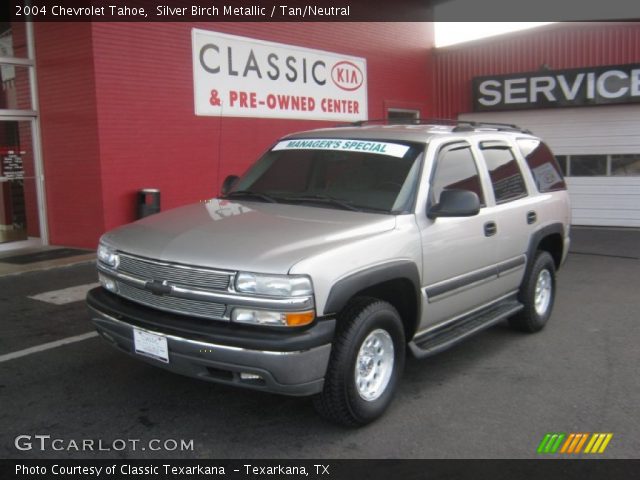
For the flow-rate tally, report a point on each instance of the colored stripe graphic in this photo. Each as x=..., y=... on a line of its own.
x=550, y=443
x=597, y=443
x=565, y=447
x=576, y=443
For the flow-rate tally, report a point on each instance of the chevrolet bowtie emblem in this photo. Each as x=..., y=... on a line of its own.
x=158, y=288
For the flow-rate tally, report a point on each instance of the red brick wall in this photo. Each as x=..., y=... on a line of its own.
x=70, y=140
x=136, y=117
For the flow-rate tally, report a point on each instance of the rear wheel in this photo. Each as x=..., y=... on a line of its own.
x=537, y=294
x=367, y=359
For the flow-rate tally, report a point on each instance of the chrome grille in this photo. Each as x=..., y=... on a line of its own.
x=175, y=274
x=173, y=304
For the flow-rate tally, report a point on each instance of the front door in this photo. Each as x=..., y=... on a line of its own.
x=19, y=218
x=459, y=254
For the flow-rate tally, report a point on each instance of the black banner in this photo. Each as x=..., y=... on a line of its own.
x=577, y=87
x=320, y=469
x=216, y=11
x=314, y=10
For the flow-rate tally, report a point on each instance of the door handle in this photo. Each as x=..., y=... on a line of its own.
x=532, y=217
x=490, y=229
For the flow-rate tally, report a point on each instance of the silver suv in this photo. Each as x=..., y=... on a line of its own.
x=334, y=254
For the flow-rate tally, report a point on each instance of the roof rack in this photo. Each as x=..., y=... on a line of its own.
x=458, y=125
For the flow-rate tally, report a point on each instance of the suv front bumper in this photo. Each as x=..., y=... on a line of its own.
x=290, y=363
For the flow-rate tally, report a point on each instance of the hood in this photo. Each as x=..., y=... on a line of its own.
x=253, y=236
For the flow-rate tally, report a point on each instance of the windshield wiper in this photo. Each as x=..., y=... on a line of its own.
x=249, y=193
x=323, y=199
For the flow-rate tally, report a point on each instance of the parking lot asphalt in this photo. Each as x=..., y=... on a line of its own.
x=494, y=396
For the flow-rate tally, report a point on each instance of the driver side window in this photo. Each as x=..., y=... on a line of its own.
x=456, y=170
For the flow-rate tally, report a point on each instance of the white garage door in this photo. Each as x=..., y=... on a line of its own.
x=599, y=151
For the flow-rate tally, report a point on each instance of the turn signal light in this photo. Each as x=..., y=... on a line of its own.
x=299, y=319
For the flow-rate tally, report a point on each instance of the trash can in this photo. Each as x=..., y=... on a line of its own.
x=148, y=202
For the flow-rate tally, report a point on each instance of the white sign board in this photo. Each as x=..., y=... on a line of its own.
x=243, y=77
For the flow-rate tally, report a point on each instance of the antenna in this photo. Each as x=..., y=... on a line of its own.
x=220, y=142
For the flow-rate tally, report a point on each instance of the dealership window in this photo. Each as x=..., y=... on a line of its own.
x=401, y=115
x=615, y=165
x=506, y=178
x=22, y=206
x=15, y=68
x=562, y=162
x=625, y=165
x=588, y=165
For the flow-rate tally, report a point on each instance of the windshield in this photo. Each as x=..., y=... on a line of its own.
x=336, y=173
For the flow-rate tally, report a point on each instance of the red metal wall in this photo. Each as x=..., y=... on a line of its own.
x=118, y=115
x=558, y=46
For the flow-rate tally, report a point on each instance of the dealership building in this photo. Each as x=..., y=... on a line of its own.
x=91, y=113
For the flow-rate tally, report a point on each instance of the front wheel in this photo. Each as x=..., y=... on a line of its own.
x=366, y=362
x=537, y=294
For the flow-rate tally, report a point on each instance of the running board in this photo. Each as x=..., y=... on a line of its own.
x=441, y=338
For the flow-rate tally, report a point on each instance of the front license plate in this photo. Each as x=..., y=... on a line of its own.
x=151, y=345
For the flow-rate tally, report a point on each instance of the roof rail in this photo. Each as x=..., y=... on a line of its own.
x=458, y=125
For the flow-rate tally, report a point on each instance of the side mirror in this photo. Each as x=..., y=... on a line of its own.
x=455, y=203
x=228, y=184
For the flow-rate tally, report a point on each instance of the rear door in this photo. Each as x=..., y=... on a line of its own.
x=513, y=210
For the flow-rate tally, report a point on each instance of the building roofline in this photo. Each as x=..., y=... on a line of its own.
x=535, y=31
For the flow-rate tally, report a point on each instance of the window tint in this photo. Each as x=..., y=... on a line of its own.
x=505, y=174
x=456, y=170
x=543, y=165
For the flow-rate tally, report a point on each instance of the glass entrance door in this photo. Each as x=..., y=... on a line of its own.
x=19, y=218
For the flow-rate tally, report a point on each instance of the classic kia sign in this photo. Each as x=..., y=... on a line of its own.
x=243, y=77
x=563, y=88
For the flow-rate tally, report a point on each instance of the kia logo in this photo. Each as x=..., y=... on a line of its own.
x=347, y=76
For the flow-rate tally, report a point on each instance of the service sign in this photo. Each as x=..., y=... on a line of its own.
x=243, y=77
x=578, y=87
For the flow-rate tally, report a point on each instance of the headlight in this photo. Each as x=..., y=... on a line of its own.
x=108, y=256
x=276, y=285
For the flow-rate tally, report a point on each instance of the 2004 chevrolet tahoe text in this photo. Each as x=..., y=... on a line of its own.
x=336, y=252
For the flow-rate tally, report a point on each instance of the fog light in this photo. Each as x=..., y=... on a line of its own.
x=108, y=283
x=278, y=319
x=258, y=317
x=249, y=376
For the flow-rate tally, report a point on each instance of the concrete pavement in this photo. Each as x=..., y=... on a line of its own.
x=493, y=396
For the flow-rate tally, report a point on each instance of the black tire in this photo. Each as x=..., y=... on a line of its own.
x=340, y=401
x=530, y=319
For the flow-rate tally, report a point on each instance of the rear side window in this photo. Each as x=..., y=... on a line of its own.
x=506, y=178
x=456, y=170
x=543, y=165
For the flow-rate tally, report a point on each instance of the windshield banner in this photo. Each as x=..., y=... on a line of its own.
x=344, y=145
x=242, y=77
